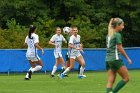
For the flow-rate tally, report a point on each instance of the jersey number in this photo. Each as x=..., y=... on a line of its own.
x=31, y=42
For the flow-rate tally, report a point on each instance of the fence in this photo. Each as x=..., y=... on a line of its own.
x=14, y=60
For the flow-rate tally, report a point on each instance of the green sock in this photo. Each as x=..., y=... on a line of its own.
x=108, y=90
x=62, y=70
x=119, y=86
x=79, y=69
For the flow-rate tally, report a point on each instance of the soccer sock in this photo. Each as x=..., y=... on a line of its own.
x=62, y=70
x=30, y=69
x=54, y=70
x=108, y=90
x=81, y=70
x=67, y=70
x=37, y=68
x=28, y=73
x=119, y=86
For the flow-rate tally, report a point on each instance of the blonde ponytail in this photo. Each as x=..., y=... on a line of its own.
x=111, y=30
x=112, y=25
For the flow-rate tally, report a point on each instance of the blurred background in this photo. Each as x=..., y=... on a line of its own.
x=91, y=17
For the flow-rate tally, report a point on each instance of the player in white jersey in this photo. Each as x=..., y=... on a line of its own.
x=76, y=47
x=57, y=40
x=32, y=41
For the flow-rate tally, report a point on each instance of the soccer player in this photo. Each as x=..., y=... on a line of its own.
x=32, y=41
x=68, y=52
x=114, y=63
x=76, y=47
x=57, y=40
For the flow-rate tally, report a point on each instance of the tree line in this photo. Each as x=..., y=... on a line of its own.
x=90, y=16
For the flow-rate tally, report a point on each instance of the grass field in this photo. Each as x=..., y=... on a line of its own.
x=42, y=83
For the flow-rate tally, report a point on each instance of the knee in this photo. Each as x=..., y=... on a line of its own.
x=83, y=64
x=41, y=65
x=126, y=79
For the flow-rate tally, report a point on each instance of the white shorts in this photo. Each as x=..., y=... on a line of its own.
x=33, y=59
x=74, y=54
x=57, y=54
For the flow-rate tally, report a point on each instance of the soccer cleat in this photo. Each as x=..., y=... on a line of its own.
x=52, y=76
x=66, y=75
x=84, y=76
x=26, y=79
x=81, y=76
x=30, y=74
x=61, y=76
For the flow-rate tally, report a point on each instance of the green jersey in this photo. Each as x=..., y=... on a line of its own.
x=67, y=39
x=112, y=51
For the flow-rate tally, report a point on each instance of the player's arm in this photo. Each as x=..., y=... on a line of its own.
x=37, y=45
x=122, y=51
x=71, y=46
x=36, y=41
x=25, y=43
x=51, y=43
x=52, y=40
x=64, y=40
x=81, y=48
x=71, y=43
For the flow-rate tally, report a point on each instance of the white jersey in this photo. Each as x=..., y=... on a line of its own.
x=76, y=43
x=32, y=50
x=57, y=39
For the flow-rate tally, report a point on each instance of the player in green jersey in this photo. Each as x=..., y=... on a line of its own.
x=68, y=32
x=114, y=64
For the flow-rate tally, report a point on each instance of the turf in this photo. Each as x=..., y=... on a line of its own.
x=43, y=83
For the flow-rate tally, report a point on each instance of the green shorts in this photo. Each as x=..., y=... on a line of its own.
x=114, y=65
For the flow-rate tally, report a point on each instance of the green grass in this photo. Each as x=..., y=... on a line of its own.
x=42, y=83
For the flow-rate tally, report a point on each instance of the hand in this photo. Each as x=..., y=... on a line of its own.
x=42, y=52
x=80, y=49
x=129, y=61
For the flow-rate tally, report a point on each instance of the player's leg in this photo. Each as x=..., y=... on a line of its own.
x=123, y=72
x=56, y=55
x=61, y=61
x=55, y=67
x=68, y=63
x=81, y=61
x=72, y=61
x=111, y=80
x=79, y=66
x=38, y=66
x=28, y=75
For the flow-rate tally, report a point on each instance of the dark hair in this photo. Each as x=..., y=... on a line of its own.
x=31, y=30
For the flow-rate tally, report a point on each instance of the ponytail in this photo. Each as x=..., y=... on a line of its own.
x=112, y=25
x=111, y=30
x=31, y=30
